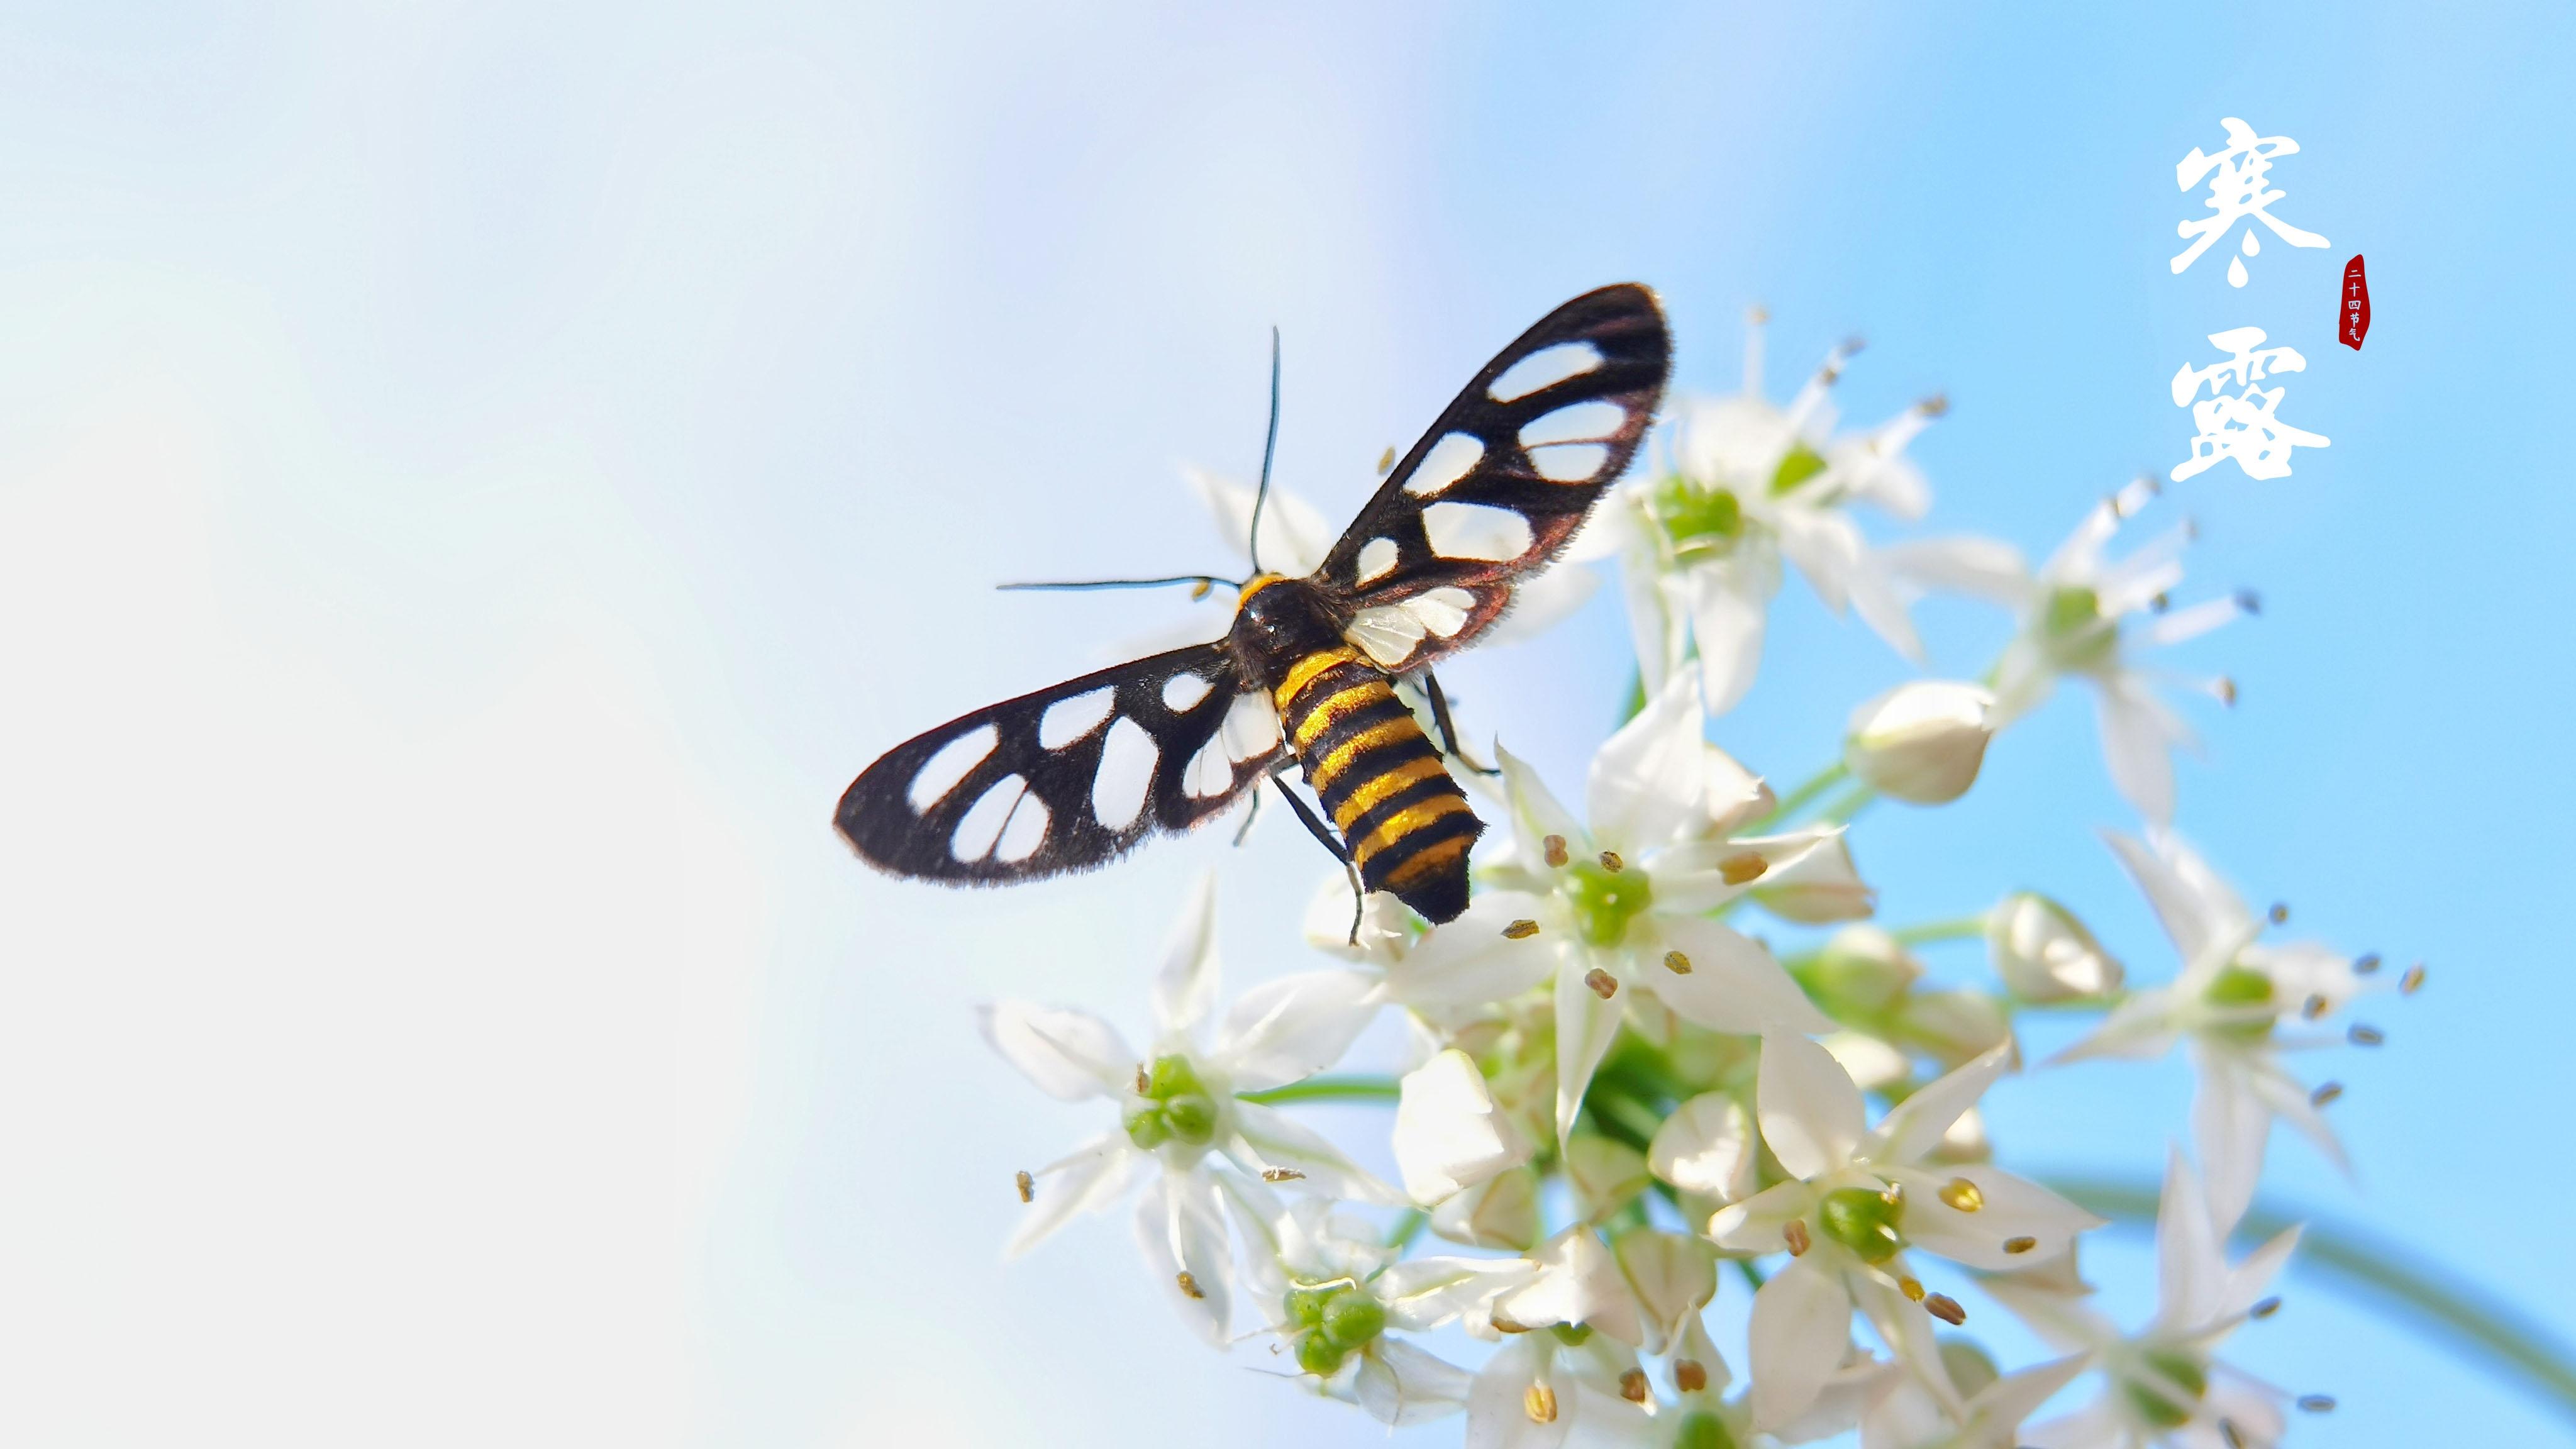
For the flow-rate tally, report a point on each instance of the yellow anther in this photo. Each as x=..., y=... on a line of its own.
x=1946, y=1308
x=1539, y=1402
x=1199, y=590
x=1189, y=1286
x=2264, y=1309
x=1795, y=1231
x=1520, y=930
x=1611, y=862
x=2325, y=1093
x=1386, y=460
x=2413, y=980
x=1632, y=1386
x=1141, y=1083
x=1677, y=963
x=1689, y=1375
x=1603, y=984
x=1962, y=1194
x=1554, y=847
x=2280, y=913
x=2019, y=1246
x=2366, y=1036
x=1028, y=1188
x=2315, y=1006
x=1910, y=1288
x=1737, y=869
x=1282, y=1174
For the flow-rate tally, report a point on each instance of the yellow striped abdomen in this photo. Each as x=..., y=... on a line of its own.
x=1404, y=819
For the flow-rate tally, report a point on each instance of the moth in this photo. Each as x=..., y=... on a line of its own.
x=1072, y=777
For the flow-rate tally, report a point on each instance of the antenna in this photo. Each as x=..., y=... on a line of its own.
x=1268, y=446
x=1204, y=582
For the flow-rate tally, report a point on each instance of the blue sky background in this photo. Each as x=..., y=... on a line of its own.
x=476, y=482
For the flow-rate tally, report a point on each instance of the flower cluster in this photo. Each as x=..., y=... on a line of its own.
x=1617, y=1094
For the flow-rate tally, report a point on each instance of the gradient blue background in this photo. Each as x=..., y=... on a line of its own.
x=475, y=482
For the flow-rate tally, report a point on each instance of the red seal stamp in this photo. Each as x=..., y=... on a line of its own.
x=2352, y=311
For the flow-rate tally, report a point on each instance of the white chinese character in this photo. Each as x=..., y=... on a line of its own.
x=2240, y=189
x=2241, y=426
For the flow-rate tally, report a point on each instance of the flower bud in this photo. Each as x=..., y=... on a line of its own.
x=1861, y=971
x=1448, y=1133
x=2044, y=953
x=1502, y=1213
x=1922, y=742
x=1954, y=1027
x=1819, y=888
x=1605, y=1174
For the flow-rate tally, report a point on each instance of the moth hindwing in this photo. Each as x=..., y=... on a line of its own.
x=1066, y=778
x=1503, y=479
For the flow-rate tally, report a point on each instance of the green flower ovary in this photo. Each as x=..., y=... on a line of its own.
x=1177, y=1107
x=2165, y=1395
x=2072, y=627
x=1605, y=901
x=1702, y=1431
x=1699, y=520
x=1797, y=465
x=2239, y=986
x=1864, y=1221
x=1334, y=1320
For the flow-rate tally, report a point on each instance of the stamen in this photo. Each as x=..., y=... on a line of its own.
x=1933, y=406
x=1386, y=460
x=1603, y=984
x=1554, y=847
x=1190, y=1285
x=2159, y=603
x=1962, y=1194
x=1737, y=869
x=1632, y=1386
x=2226, y=688
x=2264, y=1309
x=2227, y=1431
x=1677, y=963
x=2019, y=1246
x=2366, y=964
x=2317, y=1403
x=1200, y=590
x=1946, y=1308
x=1141, y=1083
x=1611, y=862
x=2324, y=1094
x=2315, y=1006
x=1539, y=1402
x=1509, y=1325
x=1282, y=1174
x=2250, y=601
x=2413, y=980
x=1893, y=1194
x=1689, y=1375
x=1910, y=1288
x=2280, y=912
x=1520, y=930
x=1795, y=1232
x=1028, y=1188
x=2366, y=1035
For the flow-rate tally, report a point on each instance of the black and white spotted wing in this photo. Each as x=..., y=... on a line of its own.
x=1503, y=479
x=1066, y=778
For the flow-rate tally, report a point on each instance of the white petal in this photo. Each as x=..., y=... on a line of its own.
x=1448, y=1133
x=1543, y=601
x=1294, y=536
x=1705, y=1147
x=1883, y=604
x=1424, y=1293
x=1649, y=781
x=1069, y=1054
x=1811, y=1113
x=1400, y=1384
x=1497, y=1416
x=1536, y=815
x=1585, y=1027
x=1470, y=961
x=2010, y=1208
x=2194, y=921
x=2007, y=1401
x=1673, y=1277
x=1578, y=1282
x=1820, y=888
x=1180, y=1230
x=2249, y=1280
x=1502, y=1213
x=1733, y=985
x=1913, y=1127
x=1730, y=603
x=1085, y=1180
x=1186, y=986
x=1801, y=1325
x=2136, y=747
x=1267, y=1138
x=1289, y=1029
x=1981, y=568
x=2231, y=1124
x=1694, y=879
x=2190, y=1274
x=1826, y=547
x=1755, y=1224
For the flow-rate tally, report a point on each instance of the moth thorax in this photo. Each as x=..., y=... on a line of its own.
x=1280, y=620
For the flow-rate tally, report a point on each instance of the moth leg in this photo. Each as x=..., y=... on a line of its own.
x=1249, y=815
x=1315, y=827
x=1449, y=744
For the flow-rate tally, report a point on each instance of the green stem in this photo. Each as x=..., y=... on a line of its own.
x=1846, y=805
x=2487, y=1333
x=1408, y=1226
x=1803, y=796
x=1752, y=1274
x=1962, y=928
x=1328, y=1089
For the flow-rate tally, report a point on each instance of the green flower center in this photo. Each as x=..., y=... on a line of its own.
x=1177, y=1107
x=1864, y=1221
x=1797, y=465
x=1605, y=901
x=2173, y=1384
x=1699, y=520
x=2241, y=986
x=1334, y=1321
x=1572, y=1335
x=1702, y=1431
x=2072, y=627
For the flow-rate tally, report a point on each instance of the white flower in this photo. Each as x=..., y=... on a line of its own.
x=1623, y=908
x=1572, y=1359
x=1178, y=1111
x=2234, y=994
x=1333, y=1292
x=1449, y=1135
x=2072, y=614
x=1751, y=481
x=2044, y=953
x=2163, y=1384
x=1921, y=742
x=1857, y=1201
